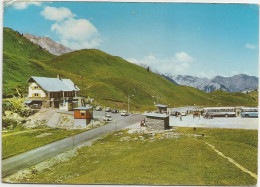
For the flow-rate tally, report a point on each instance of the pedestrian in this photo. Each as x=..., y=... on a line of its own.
x=141, y=124
x=180, y=117
x=194, y=129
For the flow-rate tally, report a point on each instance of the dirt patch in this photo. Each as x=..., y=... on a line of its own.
x=43, y=135
x=51, y=118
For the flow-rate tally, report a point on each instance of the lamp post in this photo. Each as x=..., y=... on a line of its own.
x=157, y=99
x=129, y=102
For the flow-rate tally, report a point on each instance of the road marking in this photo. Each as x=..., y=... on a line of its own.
x=233, y=162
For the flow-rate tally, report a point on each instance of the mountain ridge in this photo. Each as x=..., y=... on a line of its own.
x=236, y=83
x=51, y=46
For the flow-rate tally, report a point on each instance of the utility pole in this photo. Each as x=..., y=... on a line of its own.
x=129, y=102
x=81, y=84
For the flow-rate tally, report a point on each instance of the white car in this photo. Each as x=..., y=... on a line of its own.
x=183, y=113
x=98, y=108
x=124, y=113
x=107, y=118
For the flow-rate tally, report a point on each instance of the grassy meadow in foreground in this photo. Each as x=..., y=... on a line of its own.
x=183, y=159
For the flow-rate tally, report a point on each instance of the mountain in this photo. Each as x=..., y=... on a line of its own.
x=106, y=78
x=48, y=44
x=169, y=79
x=237, y=83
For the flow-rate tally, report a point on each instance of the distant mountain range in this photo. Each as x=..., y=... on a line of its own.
x=51, y=46
x=237, y=83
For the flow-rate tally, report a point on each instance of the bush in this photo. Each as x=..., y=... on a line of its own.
x=15, y=105
x=9, y=123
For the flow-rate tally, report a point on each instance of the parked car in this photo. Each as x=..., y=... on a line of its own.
x=124, y=113
x=98, y=108
x=108, y=109
x=35, y=106
x=107, y=118
x=114, y=110
x=183, y=113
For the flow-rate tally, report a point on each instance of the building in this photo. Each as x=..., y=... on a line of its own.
x=161, y=108
x=53, y=92
x=82, y=116
x=157, y=122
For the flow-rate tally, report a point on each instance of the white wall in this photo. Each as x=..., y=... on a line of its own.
x=39, y=90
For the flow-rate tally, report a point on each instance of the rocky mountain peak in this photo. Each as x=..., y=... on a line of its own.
x=48, y=44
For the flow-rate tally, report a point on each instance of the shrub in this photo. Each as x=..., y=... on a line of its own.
x=15, y=105
x=9, y=123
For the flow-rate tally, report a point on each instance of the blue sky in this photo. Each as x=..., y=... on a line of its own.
x=179, y=38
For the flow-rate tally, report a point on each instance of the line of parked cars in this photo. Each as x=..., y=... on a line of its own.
x=114, y=110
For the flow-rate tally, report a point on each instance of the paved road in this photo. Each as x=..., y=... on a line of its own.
x=30, y=158
x=98, y=114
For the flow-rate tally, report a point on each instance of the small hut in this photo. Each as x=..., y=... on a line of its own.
x=157, y=122
x=82, y=116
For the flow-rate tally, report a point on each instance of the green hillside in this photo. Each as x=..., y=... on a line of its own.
x=20, y=61
x=108, y=79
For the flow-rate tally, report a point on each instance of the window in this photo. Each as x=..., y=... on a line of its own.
x=82, y=114
x=36, y=94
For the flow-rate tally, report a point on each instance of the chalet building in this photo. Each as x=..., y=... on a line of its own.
x=54, y=92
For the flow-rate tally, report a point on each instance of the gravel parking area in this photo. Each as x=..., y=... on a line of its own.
x=217, y=122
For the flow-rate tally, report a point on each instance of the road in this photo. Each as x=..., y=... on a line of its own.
x=30, y=158
x=98, y=114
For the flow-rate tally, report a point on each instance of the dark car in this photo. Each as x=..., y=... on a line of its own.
x=108, y=109
x=35, y=106
x=115, y=110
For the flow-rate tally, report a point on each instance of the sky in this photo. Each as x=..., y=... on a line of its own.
x=201, y=40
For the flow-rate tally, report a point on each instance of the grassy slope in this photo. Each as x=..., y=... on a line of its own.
x=186, y=160
x=20, y=61
x=111, y=78
x=254, y=95
x=106, y=78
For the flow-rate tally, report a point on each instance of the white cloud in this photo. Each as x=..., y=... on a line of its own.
x=22, y=5
x=234, y=72
x=56, y=14
x=250, y=46
x=184, y=57
x=77, y=33
x=72, y=32
x=177, y=64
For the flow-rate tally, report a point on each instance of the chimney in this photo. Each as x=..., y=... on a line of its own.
x=58, y=76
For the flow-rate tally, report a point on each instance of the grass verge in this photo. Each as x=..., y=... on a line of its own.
x=19, y=142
